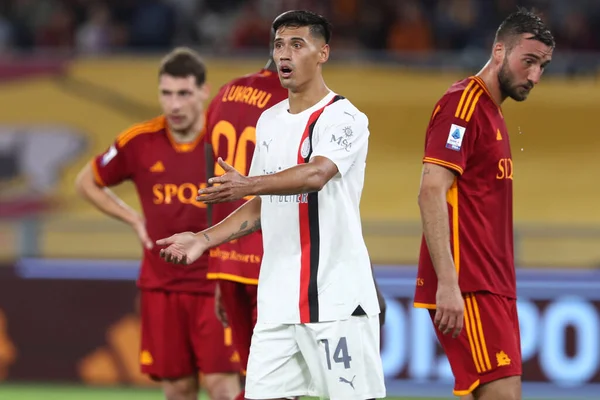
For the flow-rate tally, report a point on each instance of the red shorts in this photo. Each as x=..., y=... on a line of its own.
x=489, y=346
x=181, y=335
x=239, y=302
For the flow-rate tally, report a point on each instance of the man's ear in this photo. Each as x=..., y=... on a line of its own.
x=324, y=54
x=499, y=51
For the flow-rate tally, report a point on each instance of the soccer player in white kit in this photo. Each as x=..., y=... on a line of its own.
x=317, y=332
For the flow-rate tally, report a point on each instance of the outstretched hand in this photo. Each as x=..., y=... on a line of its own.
x=182, y=248
x=230, y=186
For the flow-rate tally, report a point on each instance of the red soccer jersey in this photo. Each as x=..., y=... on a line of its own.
x=167, y=176
x=231, y=123
x=468, y=135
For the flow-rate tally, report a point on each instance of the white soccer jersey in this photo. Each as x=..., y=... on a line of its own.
x=315, y=265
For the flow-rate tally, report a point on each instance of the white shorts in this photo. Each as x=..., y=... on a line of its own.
x=338, y=360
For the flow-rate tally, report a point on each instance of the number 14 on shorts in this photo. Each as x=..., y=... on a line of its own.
x=340, y=354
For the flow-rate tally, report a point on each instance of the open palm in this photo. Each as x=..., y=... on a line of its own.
x=181, y=248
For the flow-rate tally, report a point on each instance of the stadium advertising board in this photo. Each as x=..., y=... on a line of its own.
x=80, y=318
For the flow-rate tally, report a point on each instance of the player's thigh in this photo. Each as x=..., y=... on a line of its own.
x=508, y=388
x=239, y=310
x=276, y=368
x=343, y=357
x=165, y=352
x=212, y=346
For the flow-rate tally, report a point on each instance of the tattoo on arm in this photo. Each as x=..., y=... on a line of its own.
x=245, y=229
x=206, y=237
x=426, y=170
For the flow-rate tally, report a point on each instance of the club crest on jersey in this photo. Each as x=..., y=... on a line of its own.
x=305, y=148
x=455, y=137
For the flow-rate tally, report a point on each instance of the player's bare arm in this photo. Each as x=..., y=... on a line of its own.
x=187, y=247
x=305, y=178
x=435, y=183
x=108, y=203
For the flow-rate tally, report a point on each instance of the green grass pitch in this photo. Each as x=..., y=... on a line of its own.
x=9, y=391
x=51, y=392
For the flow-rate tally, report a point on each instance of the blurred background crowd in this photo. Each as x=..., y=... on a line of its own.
x=96, y=26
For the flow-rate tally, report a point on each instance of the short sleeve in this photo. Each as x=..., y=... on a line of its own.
x=342, y=139
x=256, y=168
x=451, y=135
x=111, y=167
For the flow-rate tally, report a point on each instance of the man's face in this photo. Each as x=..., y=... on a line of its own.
x=298, y=55
x=182, y=101
x=523, y=66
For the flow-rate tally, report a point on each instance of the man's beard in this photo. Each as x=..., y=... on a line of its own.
x=507, y=87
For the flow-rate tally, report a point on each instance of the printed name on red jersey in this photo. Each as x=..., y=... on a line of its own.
x=469, y=99
x=246, y=94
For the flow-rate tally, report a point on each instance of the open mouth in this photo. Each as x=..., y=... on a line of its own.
x=285, y=71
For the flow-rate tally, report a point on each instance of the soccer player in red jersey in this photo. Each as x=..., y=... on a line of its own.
x=231, y=134
x=164, y=159
x=466, y=267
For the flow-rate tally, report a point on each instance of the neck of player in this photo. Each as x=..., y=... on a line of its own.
x=191, y=134
x=307, y=96
x=489, y=76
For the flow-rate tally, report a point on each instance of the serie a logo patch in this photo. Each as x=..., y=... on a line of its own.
x=455, y=137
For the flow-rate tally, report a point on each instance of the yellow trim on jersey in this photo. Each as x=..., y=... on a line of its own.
x=452, y=199
x=469, y=99
x=232, y=277
x=488, y=364
x=97, y=176
x=152, y=126
x=484, y=86
x=472, y=334
x=473, y=104
x=424, y=305
x=443, y=163
x=227, y=336
x=462, y=99
x=437, y=110
x=468, y=391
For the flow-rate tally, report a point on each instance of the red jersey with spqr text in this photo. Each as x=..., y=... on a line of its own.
x=468, y=135
x=231, y=131
x=167, y=176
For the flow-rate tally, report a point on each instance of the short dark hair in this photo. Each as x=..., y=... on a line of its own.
x=183, y=62
x=524, y=21
x=318, y=25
